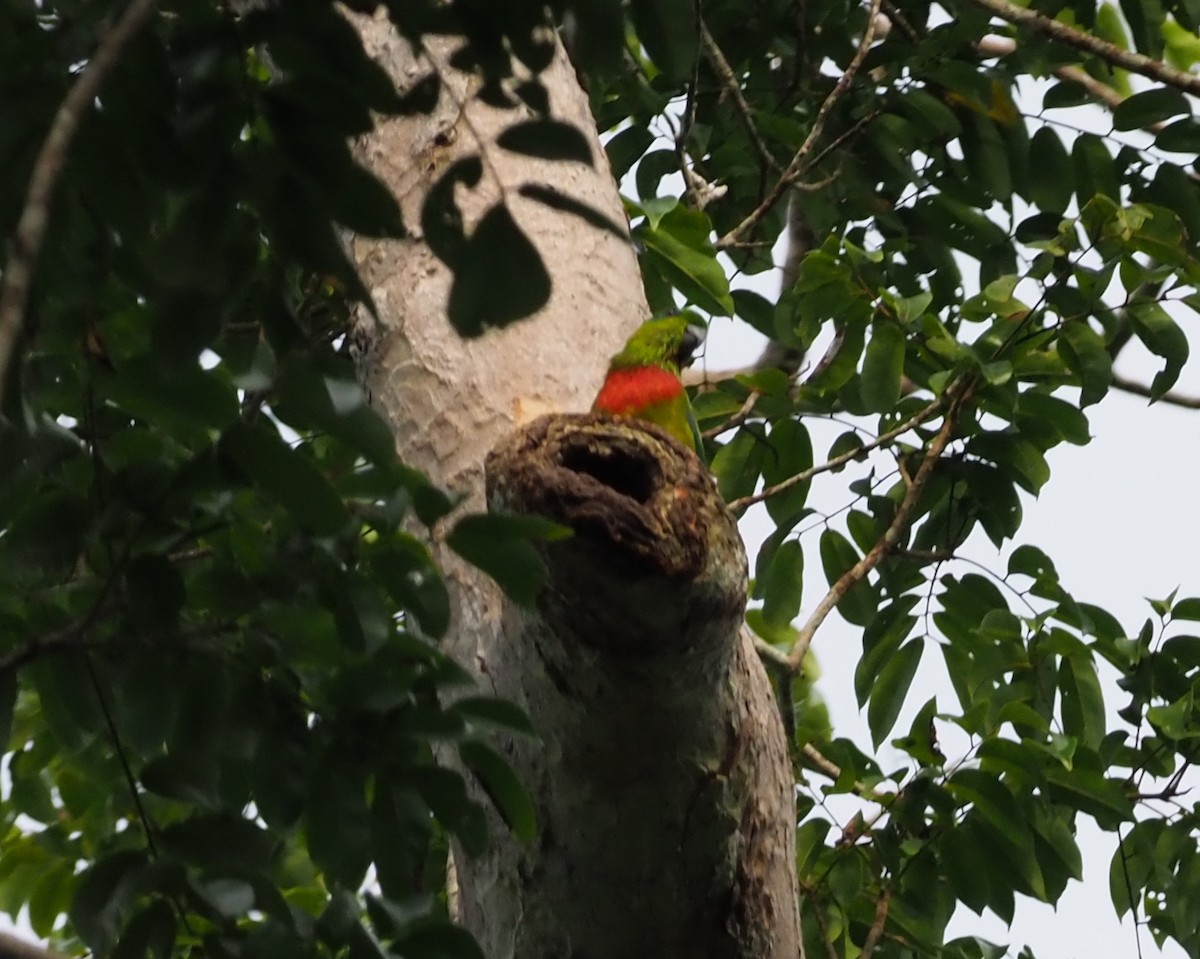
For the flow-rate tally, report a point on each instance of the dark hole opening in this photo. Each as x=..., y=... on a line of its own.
x=635, y=477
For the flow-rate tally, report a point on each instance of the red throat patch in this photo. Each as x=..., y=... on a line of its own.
x=625, y=392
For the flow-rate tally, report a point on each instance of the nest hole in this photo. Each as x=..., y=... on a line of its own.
x=635, y=477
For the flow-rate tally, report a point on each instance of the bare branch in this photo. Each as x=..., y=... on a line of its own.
x=834, y=772
x=882, y=440
x=1141, y=389
x=797, y=167
x=875, y=934
x=887, y=541
x=13, y=948
x=1079, y=40
x=31, y=227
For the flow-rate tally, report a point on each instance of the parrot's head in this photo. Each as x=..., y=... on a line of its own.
x=668, y=342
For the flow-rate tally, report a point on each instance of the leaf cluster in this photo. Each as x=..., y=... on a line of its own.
x=220, y=690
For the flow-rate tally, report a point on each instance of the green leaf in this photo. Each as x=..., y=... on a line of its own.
x=150, y=932
x=103, y=896
x=547, y=139
x=1092, y=793
x=1187, y=609
x=1094, y=173
x=883, y=366
x=499, y=276
x=930, y=112
x=737, y=465
x=1031, y=561
x=8, y=699
x=789, y=454
x=625, y=148
x=1014, y=455
x=407, y=572
x=859, y=604
x=502, y=786
x=155, y=591
x=1052, y=185
x=439, y=939
x=187, y=401
x=994, y=802
x=682, y=249
x=338, y=822
x=1082, y=700
x=1067, y=420
x=326, y=396
x=1145, y=19
x=1085, y=354
x=287, y=476
x=783, y=585
x=1161, y=336
x=1150, y=107
x=891, y=689
x=490, y=711
x=667, y=29
x=502, y=546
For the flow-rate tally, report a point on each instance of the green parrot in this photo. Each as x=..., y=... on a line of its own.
x=643, y=379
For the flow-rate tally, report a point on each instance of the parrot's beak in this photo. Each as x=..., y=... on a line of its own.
x=692, y=341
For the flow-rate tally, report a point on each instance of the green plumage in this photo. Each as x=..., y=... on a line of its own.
x=643, y=379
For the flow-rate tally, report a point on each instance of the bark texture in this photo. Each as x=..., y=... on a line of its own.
x=662, y=781
x=450, y=400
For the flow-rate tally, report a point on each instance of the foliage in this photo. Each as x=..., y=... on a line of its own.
x=215, y=664
x=974, y=271
x=218, y=686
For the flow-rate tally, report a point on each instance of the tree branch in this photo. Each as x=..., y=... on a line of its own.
x=1141, y=389
x=882, y=440
x=876, y=931
x=31, y=227
x=887, y=541
x=796, y=168
x=13, y=948
x=1109, y=52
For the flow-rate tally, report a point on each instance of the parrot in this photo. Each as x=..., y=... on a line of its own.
x=643, y=379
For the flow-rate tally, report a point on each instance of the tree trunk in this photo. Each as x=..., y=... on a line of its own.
x=661, y=777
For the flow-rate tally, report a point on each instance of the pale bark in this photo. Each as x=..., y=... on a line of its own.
x=661, y=781
x=663, y=786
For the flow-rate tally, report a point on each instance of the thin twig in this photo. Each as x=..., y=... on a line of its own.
x=797, y=166
x=1141, y=389
x=875, y=934
x=1079, y=40
x=883, y=439
x=887, y=541
x=56, y=641
x=31, y=227
x=736, y=420
x=834, y=772
x=771, y=655
x=730, y=82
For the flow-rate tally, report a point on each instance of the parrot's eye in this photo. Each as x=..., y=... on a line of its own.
x=693, y=337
